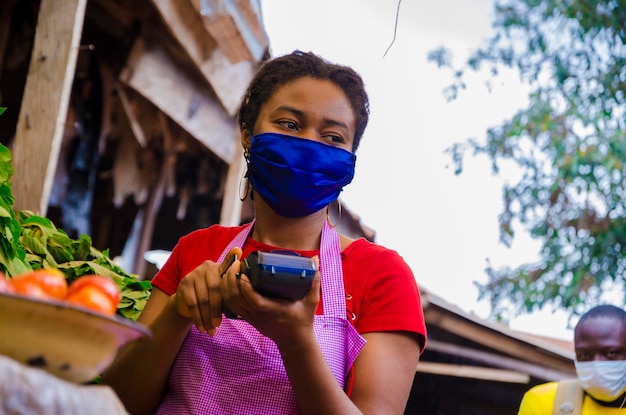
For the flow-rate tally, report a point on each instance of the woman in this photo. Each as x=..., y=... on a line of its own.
x=350, y=345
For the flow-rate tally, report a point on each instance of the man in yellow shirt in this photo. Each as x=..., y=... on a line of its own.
x=600, y=345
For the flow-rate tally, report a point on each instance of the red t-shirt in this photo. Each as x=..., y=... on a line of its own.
x=381, y=291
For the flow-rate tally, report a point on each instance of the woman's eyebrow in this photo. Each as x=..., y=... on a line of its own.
x=336, y=123
x=291, y=109
x=300, y=113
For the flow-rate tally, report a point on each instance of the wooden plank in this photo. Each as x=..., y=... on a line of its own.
x=231, y=202
x=228, y=80
x=473, y=372
x=558, y=348
x=498, y=360
x=152, y=207
x=494, y=340
x=250, y=11
x=134, y=123
x=190, y=103
x=235, y=27
x=229, y=40
x=46, y=98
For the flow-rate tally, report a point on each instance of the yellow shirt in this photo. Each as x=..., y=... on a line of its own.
x=539, y=400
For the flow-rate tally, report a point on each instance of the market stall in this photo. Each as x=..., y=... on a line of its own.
x=118, y=114
x=121, y=114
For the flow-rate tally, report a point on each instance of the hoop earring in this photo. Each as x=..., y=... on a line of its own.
x=245, y=195
x=338, y=214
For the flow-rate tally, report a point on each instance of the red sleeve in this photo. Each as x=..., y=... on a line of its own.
x=192, y=250
x=381, y=291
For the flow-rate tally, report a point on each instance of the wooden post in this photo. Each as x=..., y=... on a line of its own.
x=231, y=202
x=46, y=98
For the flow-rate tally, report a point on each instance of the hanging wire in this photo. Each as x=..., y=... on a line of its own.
x=395, y=29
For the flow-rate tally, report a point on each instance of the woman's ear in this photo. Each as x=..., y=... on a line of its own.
x=246, y=139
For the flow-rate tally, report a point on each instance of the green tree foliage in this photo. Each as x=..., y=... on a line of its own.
x=569, y=144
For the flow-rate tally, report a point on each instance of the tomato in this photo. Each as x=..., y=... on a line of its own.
x=104, y=284
x=92, y=298
x=30, y=290
x=94, y=292
x=5, y=287
x=47, y=283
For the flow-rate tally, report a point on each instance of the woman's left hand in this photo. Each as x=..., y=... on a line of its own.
x=280, y=320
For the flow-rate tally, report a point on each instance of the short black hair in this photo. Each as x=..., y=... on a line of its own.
x=281, y=70
x=604, y=310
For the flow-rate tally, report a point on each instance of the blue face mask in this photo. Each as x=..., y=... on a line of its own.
x=296, y=176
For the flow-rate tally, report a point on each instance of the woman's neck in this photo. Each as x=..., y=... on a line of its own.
x=301, y=234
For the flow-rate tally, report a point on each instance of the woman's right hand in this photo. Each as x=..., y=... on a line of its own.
x=285, y=322
x=198, y=296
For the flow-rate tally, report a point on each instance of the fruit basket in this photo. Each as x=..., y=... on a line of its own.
x=71, y=343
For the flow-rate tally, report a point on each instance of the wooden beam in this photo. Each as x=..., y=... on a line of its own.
x=46, y=98
x=231, y=202
x=493, y=339
x=190, y=103
x=497, y=360
x=252, y=26
x=235, y=27
x=152, y=207
x=473, y=372
x=134, y=123
x=228, y=80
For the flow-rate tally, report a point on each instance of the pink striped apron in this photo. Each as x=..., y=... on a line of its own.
x=240, y=371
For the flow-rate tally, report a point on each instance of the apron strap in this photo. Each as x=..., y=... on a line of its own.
x=332, y=273
x=238, y=241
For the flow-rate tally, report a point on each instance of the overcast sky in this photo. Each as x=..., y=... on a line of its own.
x=445, y=226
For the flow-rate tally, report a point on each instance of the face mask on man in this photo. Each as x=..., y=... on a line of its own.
x=296, y=176
x=605, y=380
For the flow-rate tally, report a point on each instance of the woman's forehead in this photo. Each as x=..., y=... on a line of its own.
x=309, y=87
x=313, y=95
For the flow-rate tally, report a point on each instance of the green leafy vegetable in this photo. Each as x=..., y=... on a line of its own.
x=29, y=241
x=12, y=254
